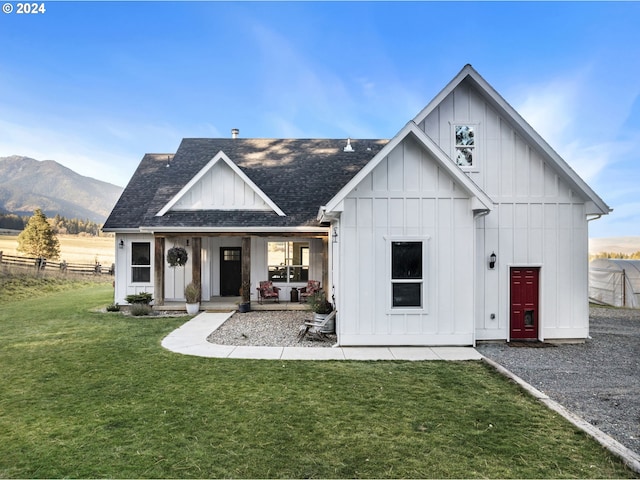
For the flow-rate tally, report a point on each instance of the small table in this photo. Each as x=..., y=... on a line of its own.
x=294, y=294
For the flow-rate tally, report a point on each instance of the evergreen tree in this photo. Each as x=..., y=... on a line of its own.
x=38, y=239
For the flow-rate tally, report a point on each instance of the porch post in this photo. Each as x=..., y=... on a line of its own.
x=325, y=267
x=158, y=273
x=246, y=269
x=196, y=268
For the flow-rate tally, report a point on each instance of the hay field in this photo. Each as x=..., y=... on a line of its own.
x=73, y=248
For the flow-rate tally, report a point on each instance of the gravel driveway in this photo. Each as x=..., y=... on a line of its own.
x=598, y=380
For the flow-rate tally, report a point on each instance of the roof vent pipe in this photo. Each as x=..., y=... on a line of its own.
x=235, y=132
x=348, y=148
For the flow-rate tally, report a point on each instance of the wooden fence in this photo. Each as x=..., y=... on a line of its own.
x=42, y=264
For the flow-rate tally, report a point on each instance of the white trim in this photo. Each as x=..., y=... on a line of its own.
x=197, y=230
x=221, y=156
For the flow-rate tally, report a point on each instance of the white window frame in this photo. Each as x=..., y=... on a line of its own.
x=287, y=267
x=423, y=307
x=141, y=266
x=475, y=166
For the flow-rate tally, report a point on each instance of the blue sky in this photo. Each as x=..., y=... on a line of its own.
x=95, y=85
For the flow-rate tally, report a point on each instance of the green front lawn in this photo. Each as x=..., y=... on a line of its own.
x=88, y=394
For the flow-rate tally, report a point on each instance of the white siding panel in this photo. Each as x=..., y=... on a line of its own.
x=412, y=166
x=220, y=188
x=380, y=213
x=413, y=216
x=378, y=176
x=395, y=170
x=365, y=212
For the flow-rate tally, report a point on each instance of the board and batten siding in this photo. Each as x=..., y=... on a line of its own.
x=406, y=197
x=537, y=220
x=221, y=189
x=124, y=284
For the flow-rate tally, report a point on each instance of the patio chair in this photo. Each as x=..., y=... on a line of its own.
x=267, y=290
x=314, y=327
x=313, y=287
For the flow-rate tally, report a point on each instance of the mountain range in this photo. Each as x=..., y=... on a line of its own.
x=27, y=184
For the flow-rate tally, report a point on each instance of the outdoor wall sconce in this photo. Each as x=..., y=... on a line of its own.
x=121, y=244
x=492, y=260
x=187, y=242
x=335, y=234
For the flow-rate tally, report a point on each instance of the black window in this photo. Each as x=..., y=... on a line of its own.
x=141, y=262
x=406, y=274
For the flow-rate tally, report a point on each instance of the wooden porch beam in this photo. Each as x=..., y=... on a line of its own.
x=196, y=248
x=158, y=273
x=246, y=269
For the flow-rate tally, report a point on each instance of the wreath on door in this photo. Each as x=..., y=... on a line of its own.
x=177, y=257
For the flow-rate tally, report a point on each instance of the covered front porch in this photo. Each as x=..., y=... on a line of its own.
x=230, y=266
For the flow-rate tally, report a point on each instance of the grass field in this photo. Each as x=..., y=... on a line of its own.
x=91, y=394
x=73, y=248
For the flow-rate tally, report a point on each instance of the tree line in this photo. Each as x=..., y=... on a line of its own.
x=619, y=255
x=59, y=224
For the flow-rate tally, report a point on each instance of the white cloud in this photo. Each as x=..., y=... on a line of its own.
x=580, y=120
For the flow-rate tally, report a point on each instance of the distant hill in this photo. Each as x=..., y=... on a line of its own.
x=27, y=184
x=626, y=245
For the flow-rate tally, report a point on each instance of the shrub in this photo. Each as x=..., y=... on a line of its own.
x=114, y=307
x=319, y=303
x=140, y=309
x=144, y=298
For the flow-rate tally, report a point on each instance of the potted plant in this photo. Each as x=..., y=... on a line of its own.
x=177, y=257
x=192, y=297
x=321, y=307
x=245, y=301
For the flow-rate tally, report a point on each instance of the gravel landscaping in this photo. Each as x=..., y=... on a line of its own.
x=598, y=380
x=269, y=329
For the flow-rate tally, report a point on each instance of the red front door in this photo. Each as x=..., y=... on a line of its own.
x=524, y=303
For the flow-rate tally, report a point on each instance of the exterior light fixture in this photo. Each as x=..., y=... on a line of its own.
x=492, y=260
x=335, y=234
x=121, y=244
x=187, y=242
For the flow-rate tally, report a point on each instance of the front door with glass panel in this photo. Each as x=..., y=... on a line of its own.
x=524, y=303
x=230, y=271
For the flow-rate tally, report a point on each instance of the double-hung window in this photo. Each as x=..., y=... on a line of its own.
x=141, y=262
x=407, y=277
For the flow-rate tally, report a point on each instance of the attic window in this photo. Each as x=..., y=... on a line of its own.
x=465, y=145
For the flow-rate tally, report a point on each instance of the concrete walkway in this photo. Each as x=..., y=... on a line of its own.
x=191, y=339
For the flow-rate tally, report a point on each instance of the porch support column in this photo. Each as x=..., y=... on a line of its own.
x=196, y=269
x=158, y=273
x=246, y=269
x=325, y=268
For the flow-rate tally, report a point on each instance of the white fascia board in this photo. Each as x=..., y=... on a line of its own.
x=197, y=230
x=121, y=230
x=221, y=156
x=562, y=167
x=336, y=204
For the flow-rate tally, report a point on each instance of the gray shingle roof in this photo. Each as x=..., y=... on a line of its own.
x=299, y=175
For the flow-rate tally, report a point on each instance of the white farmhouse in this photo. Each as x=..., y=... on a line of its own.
x=465, y=226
